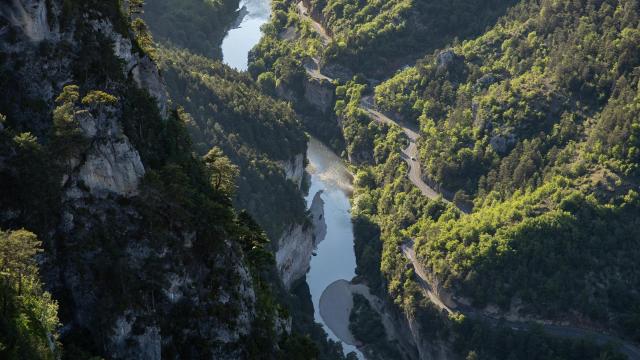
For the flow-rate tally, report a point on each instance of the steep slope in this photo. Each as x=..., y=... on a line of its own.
x=142, y=248
x=377, y=37
x=546, y=143
x=533, y=125
x=262, y=136
x=199, y=25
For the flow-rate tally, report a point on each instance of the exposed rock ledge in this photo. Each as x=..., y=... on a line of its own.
x=296, y=246
x=294, y=169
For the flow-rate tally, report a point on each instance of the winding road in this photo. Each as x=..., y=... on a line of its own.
x=442, y=299
x=410, y=154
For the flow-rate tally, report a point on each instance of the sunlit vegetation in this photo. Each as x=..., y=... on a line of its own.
x=29, y=321
x=226, y=109
x=537, y=120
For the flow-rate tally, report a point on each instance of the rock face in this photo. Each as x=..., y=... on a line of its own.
x=294, y=253
x=111, y=165
x=445, y=59
x=296, y=245
x=336, y=71
x=294, y=169
x=501, y=143
x=132, y=281
x=141, y=67
x=317, y=218
x=320, y=94
x=30, y=16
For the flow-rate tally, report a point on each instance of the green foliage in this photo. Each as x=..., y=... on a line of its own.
x=507, y=103
x=506, y=120
x=267, y=82
x=29, y=321
x=478, y=341
x=143, y=37
x=364, y=322
x=366, y=326
x=225, y=108
x=223, y=172
x=375, y=36
x=99, y=98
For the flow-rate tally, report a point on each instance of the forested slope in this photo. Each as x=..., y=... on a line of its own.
x=376, y=35
x=226, y=109
x=141, y=245
x=228, y=115
x=537, y=121
x=257, y=132
x=533, y=123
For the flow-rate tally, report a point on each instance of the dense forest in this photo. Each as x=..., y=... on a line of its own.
x=133, y=233
x=532, y=121
x=384, y=35
x=193, y=24
x=537, y=121
x=145, y=185
x=226, y=109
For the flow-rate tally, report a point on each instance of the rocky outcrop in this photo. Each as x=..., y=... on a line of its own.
x=30, y=16
x=148, y=344
x=143, y=70
x=501, y=143
x=110, y=165
x=294, y=169
x=445, y=59
x=293, y=256
x=320, y=94
x=295, y=246
x=339, y=72
x=147, y=77
x=317, y=218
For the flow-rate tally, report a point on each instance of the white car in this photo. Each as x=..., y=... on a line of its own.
x=413, y=159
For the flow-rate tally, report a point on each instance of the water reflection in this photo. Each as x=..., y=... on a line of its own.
x=240, y=40
x=336, y=258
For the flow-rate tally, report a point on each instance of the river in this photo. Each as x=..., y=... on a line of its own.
x=335, y=258
x=241, y=39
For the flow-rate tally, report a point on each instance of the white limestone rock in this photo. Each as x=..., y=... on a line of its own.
x=30, y=16
x=294, y=169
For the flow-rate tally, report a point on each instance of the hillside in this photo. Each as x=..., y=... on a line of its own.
x=141, y=247
x=194, y=24
x=545, y=144
x=532, y=123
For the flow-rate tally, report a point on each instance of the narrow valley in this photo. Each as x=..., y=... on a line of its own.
x=320, y=179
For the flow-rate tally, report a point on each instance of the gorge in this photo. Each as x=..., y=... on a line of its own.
x=320, y=179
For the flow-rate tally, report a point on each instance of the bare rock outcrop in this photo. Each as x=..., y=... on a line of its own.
x=30, y=16
x=320, y=94
x=294, y=169
x=295, y=246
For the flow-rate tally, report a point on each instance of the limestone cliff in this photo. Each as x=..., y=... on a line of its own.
x=295, y=247
x=138, y=273
x=294, y=169
x=320, y=94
